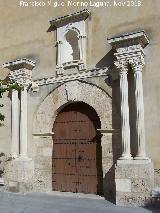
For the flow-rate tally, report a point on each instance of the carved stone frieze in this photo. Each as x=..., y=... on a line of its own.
x=71, y=77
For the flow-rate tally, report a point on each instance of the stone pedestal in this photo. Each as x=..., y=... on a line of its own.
x=134, y=181
x=19, y=175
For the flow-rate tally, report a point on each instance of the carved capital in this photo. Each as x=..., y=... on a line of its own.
x=137, y=63
x=21, y=71
x=133, y=55
x=22, y=77
x=122, y=66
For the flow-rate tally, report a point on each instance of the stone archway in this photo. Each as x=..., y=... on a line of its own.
x=74, y=91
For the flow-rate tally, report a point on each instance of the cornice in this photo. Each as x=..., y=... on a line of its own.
x=19, y=64
x=129, y=39
x=74, y=17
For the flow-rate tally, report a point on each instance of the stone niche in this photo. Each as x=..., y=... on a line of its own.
x=71, y=45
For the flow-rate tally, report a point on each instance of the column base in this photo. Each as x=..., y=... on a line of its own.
x=142, y=158
x=59, y=70
x=81, y=66
x=14, y=156
x=126, y=157
x=23, y=158
x=19, y=175
x=134, y=182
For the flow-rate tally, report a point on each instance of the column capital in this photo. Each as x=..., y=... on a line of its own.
x=132, y=55
x=20, y=71
x=122, y=66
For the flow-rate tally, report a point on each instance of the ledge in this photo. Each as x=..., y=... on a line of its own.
x=128, y=39
x=43, y=134
x=113, y=131
x=96, y=72
x=74, y=17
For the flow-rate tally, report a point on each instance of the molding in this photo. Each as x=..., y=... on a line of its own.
x=77, y=76
x=129, y=39
x=43, y=134
x=74, y=17
x=133, y=161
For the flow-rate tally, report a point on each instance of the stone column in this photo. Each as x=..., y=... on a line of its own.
x=126, y=153
x=141, y=153
x=15, y=124
x=80, y=47
x=23, y=126
x=81, y=52
x=59, y=60
x=59, y=67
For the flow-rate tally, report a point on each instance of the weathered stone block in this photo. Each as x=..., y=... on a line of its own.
x=19, y=175
x=43, y=180
x=47, y=152
x=141, y=178
x=123, y=185
x=132, y=199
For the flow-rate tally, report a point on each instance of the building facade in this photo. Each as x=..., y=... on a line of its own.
x=86, y=118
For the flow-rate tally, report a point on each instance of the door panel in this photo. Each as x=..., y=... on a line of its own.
x=74, y=150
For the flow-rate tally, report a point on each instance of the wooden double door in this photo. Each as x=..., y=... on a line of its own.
x=77, y=165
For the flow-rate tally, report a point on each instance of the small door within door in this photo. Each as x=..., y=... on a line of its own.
x=75, y=148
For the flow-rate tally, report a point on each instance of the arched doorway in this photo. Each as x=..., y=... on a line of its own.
x=77, y=153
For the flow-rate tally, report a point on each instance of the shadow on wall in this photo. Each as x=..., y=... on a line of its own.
x=107, y=60
x=109, y=179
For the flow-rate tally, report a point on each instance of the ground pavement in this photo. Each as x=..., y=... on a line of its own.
x=55, y=202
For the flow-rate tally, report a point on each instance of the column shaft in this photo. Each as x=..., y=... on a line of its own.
x=80, y=48
x=140, y=114
x=23, y=141
x=126, y=154
x=59, y=53
x=15, y=124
